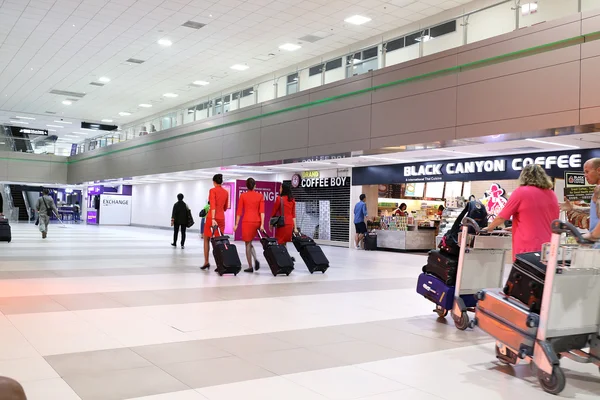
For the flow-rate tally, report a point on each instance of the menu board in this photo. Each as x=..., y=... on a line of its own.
x=434, y=190
x=415, y=189
x=453, y=189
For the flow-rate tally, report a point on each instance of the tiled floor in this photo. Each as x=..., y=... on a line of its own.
x=116, y=313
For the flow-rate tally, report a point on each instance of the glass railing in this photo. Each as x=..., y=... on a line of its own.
x=497, y=19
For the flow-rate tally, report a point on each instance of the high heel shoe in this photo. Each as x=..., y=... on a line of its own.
x=256, y=265
x=249, y=270
x=205, y=267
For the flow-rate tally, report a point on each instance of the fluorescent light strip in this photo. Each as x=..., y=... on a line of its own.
x=54, y=126
x=17, y=117
x=19, y=122
x=62, y=122
x=384, y=159
x=457, y=152
x=554, y=144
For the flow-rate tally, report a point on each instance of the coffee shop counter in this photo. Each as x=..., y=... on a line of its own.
x=422, y=238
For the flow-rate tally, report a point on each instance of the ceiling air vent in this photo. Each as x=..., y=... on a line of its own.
x=96, y=84
x=66, y=93
x=135, y=61
x=194, y=25
x=50, y=112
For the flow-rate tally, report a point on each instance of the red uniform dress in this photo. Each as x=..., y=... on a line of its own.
x=251, y=205
x=284, y=234
x=218, y=198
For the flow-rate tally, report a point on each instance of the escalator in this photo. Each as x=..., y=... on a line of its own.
x=18, y=200
x=22, y=142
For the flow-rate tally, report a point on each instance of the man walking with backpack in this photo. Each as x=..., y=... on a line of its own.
x=44, y=206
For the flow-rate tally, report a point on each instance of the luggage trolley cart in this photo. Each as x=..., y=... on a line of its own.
x=569, y=318
x=480, y=265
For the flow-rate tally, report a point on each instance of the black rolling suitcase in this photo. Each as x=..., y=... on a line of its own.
x=225, y=253
x=277, y=256
x=311, y=253
x=5, y=232
x=526, y=280
x=443, y=266
x=370, y=241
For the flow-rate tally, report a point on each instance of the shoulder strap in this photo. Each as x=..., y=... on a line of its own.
x=281, y=198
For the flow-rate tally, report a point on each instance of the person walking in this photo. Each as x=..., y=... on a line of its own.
x=360, y=213
x=218, y=199
x=44, y=206
x=285, y=202
x=252, y=206
x=533, y=206
x=179, y=220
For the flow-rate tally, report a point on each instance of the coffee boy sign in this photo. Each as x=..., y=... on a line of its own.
x=474, y=169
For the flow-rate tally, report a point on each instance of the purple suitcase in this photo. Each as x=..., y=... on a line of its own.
x=435, y=290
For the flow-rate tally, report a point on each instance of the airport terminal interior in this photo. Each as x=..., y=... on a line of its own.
x=427, y=172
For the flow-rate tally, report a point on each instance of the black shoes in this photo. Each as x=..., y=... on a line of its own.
x=205, y=267
x=249, y=270
x=174, y=244
x=182, y=246
x=256, y=265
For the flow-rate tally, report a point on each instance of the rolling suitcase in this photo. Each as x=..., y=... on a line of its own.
x=370, y=241
x=442, y=265
x=311, y=253
x=508, y=321
x=5, y=232
x=277, y=256
x=526, y=280
x=436, y=290
x=226, y=255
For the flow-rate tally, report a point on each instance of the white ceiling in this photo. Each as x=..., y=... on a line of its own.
x=476, y=149
x=67, y=44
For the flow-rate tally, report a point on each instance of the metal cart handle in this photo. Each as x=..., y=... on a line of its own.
x=559, y=227
x=472, y=223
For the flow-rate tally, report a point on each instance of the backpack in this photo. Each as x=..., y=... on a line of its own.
x=474, y=210
x=477, y=212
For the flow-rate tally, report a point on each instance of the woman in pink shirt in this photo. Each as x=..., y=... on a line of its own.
x=533, y=206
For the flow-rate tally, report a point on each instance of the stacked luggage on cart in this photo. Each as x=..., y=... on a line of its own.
x=548, y=308
x=438, y=280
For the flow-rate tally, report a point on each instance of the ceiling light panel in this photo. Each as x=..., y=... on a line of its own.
x=200, y=83
x=239, y=67
x=143, y=105
x=357, y=20
x=124, y=113
x=104, y=79
x=290, y=47
x=170, y=95
x=107, y=120
x=165, y=42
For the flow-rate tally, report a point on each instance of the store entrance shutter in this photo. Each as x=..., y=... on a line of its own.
x=323, y=212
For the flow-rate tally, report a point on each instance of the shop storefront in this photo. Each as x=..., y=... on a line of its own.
x=424, y=187
x=323, y=205
x=106, y=205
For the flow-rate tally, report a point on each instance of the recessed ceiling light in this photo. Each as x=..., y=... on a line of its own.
x=104, y=79
x=107, y=120
x=290, y=47
x=239, y=67
x=171, y=95
x=24, y=118
x=55, y=126
x=63, y=122
x=20, y=122
x=67, y=102
x=357, y=20
x=146, y=105
x=124, y=113
x=165, y=42
x=200, y=83
x=80, y=133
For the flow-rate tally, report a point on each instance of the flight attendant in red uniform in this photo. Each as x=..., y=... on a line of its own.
x=218, y=198
x=284, y=234
x=252, y=206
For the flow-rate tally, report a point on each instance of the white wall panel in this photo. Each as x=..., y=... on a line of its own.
x=402, y=55
x=548, y=10
x=491, y=22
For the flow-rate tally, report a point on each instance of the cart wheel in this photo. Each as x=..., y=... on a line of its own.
x=510, y=358
x=441, y=312
x=555, y=383
x=463, y=321
x=287, y=274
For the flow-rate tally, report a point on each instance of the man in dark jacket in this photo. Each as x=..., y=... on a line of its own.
x=179, y=219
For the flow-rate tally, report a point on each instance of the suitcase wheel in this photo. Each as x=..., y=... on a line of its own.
x=312, y=272
x=220, y=273
x=235, y=274
x=274, y=274
x=480, y=295
x=441, y=312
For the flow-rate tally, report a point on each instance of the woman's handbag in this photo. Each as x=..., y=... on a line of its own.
x=278, y=221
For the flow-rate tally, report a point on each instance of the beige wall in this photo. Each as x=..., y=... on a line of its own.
x=32, y=168
x=547, y=90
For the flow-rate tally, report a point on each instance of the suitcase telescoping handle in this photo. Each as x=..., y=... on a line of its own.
x=262, y=234
x=216, y=229
x=472, y=223
x=559, y=227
